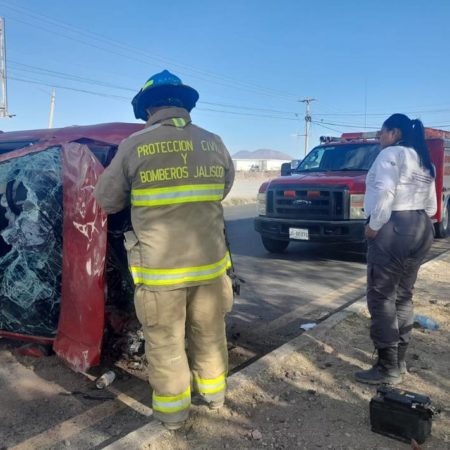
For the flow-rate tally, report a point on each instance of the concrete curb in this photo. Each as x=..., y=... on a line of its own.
x=278, y=355
x=435, y=260
x=152, y=431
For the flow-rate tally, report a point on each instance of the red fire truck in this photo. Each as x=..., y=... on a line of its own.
x=322, y=198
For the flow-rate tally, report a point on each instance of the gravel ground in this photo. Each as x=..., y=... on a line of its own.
x=304, y=395
x=301, y=396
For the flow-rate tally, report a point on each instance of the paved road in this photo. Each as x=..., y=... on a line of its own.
x=46, y=405
x=306, y=283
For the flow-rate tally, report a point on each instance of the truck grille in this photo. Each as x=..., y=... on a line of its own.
x=308, y=202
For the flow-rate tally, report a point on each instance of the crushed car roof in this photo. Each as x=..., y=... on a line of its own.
x=110, y=133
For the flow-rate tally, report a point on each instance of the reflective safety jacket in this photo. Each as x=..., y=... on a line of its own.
x=174, y=175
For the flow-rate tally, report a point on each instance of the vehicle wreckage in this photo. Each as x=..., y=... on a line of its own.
x=63, y=266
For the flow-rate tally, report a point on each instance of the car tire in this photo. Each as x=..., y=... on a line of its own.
x=442, y=226
x=274, y=245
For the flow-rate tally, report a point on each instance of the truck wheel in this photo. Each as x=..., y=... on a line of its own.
x=274, y=245
x=442, y=226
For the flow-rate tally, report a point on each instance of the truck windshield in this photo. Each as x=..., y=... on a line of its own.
x=339, y=157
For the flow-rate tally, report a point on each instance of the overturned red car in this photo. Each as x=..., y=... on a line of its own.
x=64, y=279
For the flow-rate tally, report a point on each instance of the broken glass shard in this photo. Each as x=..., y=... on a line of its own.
x=31, y=216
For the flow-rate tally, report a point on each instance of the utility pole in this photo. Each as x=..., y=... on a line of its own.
x=52, y=109
x=3, y=101
x=307, y=101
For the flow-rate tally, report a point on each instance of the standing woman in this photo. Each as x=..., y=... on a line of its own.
x=400, y=199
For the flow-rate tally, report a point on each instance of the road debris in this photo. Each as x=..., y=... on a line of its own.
x=105, y=380
x=425, y=322
x=308, y=326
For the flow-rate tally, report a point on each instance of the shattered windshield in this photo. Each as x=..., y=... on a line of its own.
x=31, y=215
x=340, y=157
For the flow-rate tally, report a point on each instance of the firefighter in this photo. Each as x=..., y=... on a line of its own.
x=174, y=176
x=400, y=199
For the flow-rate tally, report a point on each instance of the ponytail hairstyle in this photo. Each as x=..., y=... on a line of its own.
x=413, y=135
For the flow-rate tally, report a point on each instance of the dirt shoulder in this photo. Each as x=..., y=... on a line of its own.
x=245, y=187
x=304, y=396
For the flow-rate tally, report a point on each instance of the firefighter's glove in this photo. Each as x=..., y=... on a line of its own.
x=236, y=283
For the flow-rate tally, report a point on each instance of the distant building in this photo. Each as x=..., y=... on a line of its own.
x=259, y=160
x=258, y=165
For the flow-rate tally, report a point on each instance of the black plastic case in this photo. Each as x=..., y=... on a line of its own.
x=401, y=414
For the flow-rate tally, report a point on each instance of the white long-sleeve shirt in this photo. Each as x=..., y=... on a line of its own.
x=397, y=182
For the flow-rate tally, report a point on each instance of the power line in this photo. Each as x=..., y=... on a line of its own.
x=263, y=116
x=85, y=91
x=210, y=76
x=145, y=56
x=118, y=97
x=248, y=107
x=328, y=128
x=350, y=114
x=122, y=98
x=245, y=114
x=40, y=70
x=427, y=111
x=366, y=127
x=63, y=75
x=350, y=125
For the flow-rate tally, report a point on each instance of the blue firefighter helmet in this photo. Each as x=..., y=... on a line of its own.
x=163, y=89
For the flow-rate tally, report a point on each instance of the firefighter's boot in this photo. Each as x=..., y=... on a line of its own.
x=385, y=371
x=173, y=426
x=402, y=348
x=215, y=405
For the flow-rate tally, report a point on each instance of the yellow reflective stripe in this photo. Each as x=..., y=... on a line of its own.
x=179, y=122
x=172, y=404
x=210, y=386
x=168, y=409
x=148, y=84
x=185, y=187
x=177, y=194
x=186, y=279
x=161, y=277
x=204, y=198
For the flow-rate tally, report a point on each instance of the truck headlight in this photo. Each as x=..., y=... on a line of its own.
x=261, y=203
x=357, y=206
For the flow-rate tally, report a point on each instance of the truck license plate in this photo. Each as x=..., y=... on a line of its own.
x=299, y=233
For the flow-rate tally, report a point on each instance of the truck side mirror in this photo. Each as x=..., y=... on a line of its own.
x=286, y=169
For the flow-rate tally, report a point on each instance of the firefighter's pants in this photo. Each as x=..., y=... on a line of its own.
x=393, y=261
x=167, y=317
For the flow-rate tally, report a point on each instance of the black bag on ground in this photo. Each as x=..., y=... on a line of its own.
x=401, y=414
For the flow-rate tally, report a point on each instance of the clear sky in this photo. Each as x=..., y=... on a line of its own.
x=251, y=61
